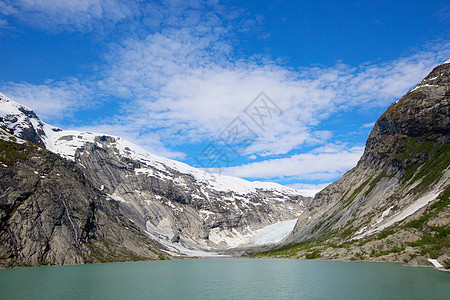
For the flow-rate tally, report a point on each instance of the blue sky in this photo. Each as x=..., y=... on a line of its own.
x=176, y=76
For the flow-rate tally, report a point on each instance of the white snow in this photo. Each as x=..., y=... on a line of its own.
x=361, y=230
x=435, y=263
x=178, y=249
x=273, y=233
x=232, y=238
x=384, y=215
x=421, y=86
x=117, y=198
x=403, y=214
x=10, y=107
x=447, y=62
x=267, y=235
x=162, y=229
x=67, y=142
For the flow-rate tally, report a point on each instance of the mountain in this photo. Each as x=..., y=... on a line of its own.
x=181, y=210
x=394, y=205
x=51, y=214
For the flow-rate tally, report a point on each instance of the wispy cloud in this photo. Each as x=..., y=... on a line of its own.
x=307, y=189
x=52, y=99
x=73, y=15
x=319, y=164
x=109, y=16
x=188, y=86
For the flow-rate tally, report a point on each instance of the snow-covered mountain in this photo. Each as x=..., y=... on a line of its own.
x=188, y=210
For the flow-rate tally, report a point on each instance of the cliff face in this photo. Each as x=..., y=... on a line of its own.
x=398, y=192
x=182, y=206
x=51, y=214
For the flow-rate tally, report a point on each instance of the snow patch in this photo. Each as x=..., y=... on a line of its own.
x=403, y=214
x=273, y=233
x=270, y=234
x=435, y=263
x=384, y=215
x=117, y=198
x=421, y=86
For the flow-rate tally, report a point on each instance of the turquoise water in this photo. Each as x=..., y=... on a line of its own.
x=226, y=279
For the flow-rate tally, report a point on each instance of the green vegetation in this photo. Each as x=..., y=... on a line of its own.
x=286, y=251
x=356, y=192
x=385, y=233
x=447, y=263
x=11, y=152
x=433, y=241
x=374, y=182
x=162, y=257
x=313, y=255
x=347, y=232
x=383, y=252
x=112, y=253
x=426, y=172
x=432, y=211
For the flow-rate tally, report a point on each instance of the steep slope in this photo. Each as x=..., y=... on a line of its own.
x=188, y=210
x=394, y=204
x=51, y=214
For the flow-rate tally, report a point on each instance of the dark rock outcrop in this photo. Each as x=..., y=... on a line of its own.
x=51, y=214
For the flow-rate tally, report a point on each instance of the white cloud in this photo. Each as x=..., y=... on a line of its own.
x=184, y=87
x=368, y=125
x=326, y=165
x=72, y=15
x=98, y=15
x=52, y=99
x=309, y=190
x=188, y=87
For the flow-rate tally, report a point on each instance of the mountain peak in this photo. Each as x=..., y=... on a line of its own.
x=21, y=121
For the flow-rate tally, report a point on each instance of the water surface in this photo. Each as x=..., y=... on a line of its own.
x=226, y=279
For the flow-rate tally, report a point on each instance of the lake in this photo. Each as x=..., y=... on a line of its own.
x=226, y=278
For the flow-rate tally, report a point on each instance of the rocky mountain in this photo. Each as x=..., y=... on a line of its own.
x=51, y=214
x=394, y=205
x=186, y=211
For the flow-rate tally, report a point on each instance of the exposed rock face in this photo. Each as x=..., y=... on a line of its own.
x=188, y=210
x=403, y=175
x=51, y=214
x=183, y=204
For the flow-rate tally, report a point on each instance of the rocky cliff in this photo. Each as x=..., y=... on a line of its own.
x=51, y=214
x=394, y=204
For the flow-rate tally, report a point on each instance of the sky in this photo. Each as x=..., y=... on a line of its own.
x=284, y=91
